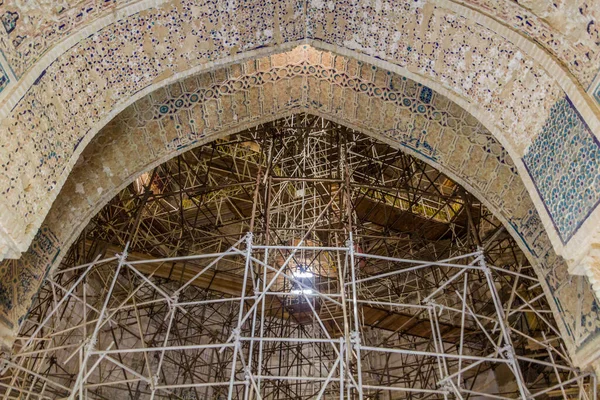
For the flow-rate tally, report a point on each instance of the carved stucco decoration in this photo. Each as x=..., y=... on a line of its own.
x=567, y=29
x=493, y=77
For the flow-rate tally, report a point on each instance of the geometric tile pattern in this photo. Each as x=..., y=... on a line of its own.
x=416, y=102
x=563, y=162
x=581, y=59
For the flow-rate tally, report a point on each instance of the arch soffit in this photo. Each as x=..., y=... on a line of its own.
x=394, y=109
x=501, y=93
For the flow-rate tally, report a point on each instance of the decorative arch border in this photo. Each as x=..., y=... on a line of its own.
x=533, y=49
x=81, y=202
x=573, y=248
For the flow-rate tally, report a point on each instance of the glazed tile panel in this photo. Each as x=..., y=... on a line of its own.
x=563, y=163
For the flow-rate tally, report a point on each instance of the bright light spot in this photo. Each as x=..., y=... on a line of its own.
x=303, y=291
x=303, y=274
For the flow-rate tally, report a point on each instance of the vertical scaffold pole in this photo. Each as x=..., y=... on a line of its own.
x=94, y=338
x=509, y=351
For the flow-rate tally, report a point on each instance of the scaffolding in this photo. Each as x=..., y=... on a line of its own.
x=291, y=287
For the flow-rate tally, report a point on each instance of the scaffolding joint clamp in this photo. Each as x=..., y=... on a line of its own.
x=5, y=358
x=508, y=352
x=350, y=245
x=236, y=334
x=91, y=344
x=446, y=387
x=433, y=304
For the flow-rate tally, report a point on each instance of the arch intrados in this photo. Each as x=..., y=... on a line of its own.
x=348, y=55
x=482, y=116
x=228, y=132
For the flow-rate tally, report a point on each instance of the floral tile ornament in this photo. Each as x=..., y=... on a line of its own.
x=563, y=163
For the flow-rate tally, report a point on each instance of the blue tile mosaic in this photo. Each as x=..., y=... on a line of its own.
x=426, y=95
x=563, y=162
x=4, y=80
